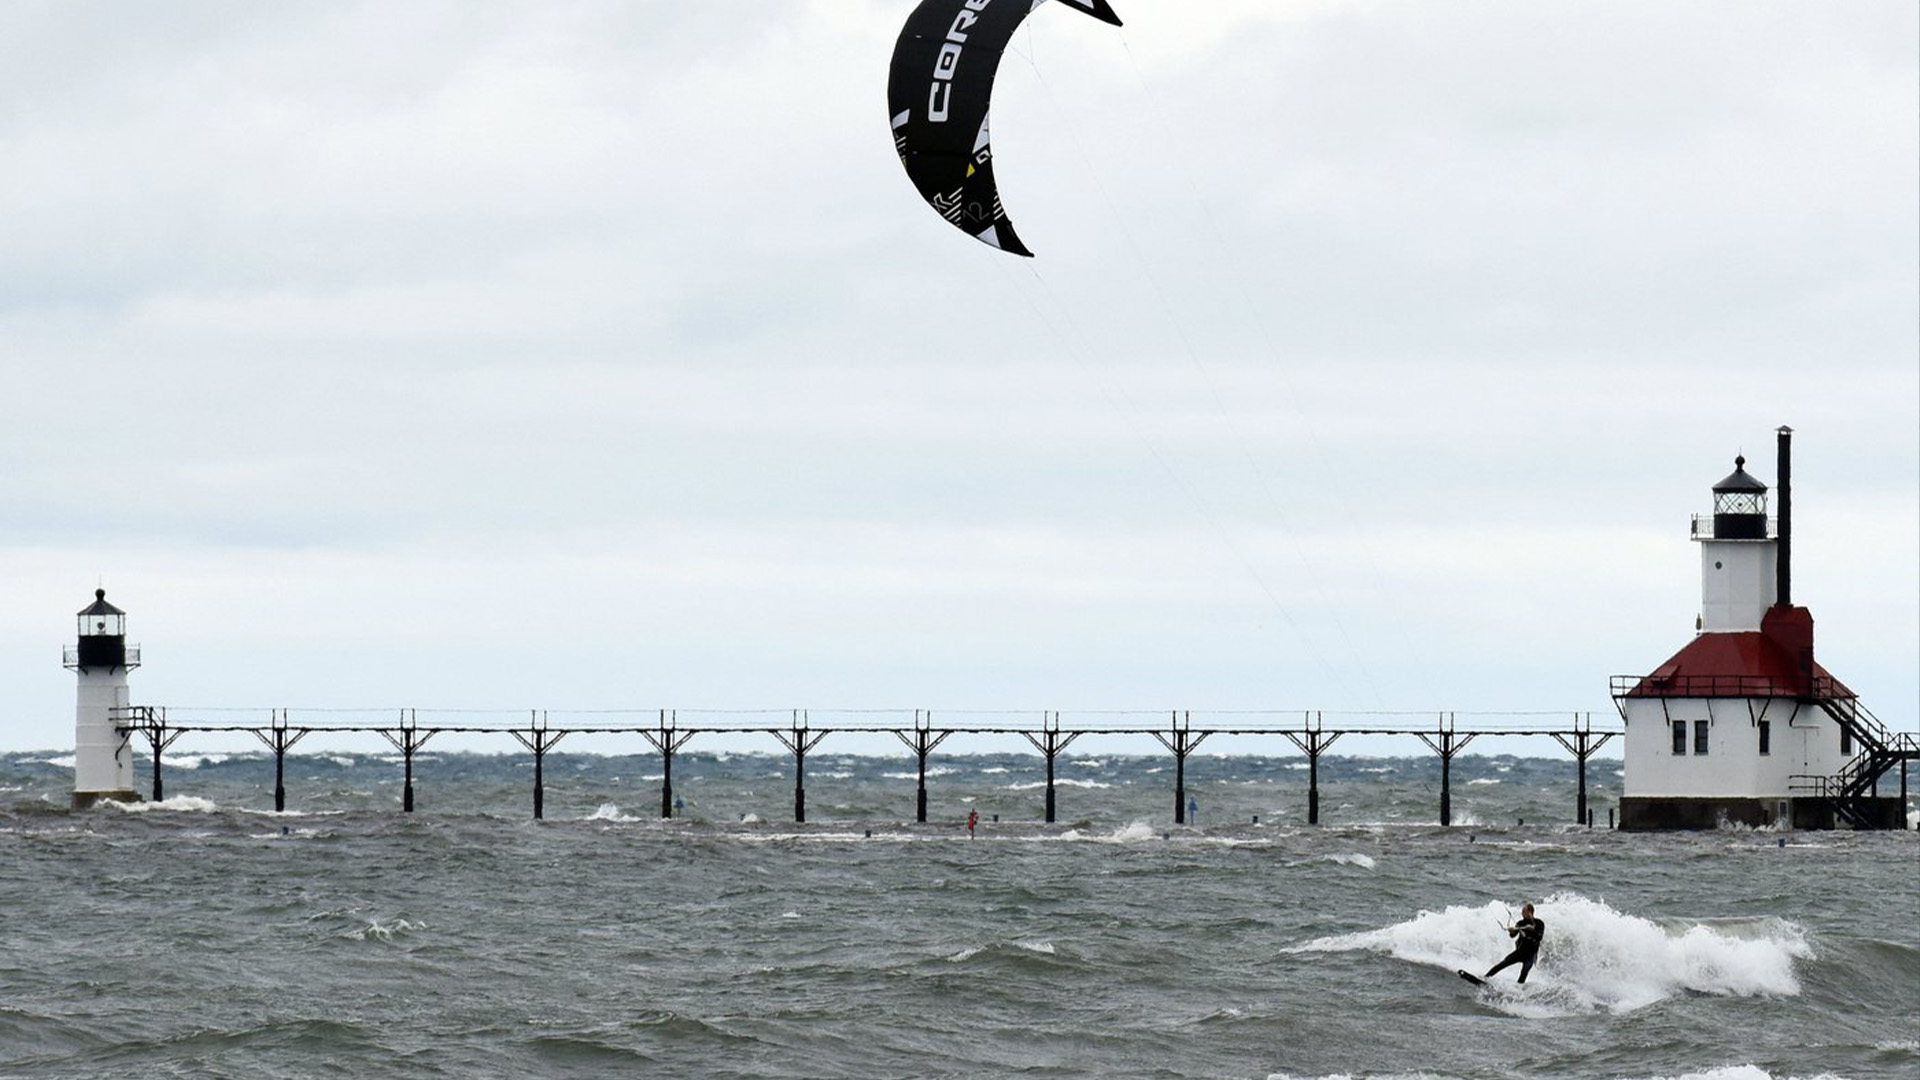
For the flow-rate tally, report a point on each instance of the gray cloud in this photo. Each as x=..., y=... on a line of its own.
x=600, y=355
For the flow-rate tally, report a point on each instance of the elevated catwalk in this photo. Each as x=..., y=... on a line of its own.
x=922, y=733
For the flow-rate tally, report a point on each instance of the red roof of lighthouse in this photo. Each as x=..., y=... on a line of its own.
x=1774, y=661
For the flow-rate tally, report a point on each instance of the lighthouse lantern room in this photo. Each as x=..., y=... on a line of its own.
x=101, y=658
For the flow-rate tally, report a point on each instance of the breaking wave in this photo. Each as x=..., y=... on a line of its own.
x=186, y=803
x=1595, y=957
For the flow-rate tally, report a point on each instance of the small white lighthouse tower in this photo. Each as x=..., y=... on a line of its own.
x=1739, y=555
x=1742, y=726
x=100, y=656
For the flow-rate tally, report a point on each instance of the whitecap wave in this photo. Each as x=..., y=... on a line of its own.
x=1036, y=945
x=1596, y=957
x=185, y=803
x=1351, y=1076
x=1063, y=782
x=607, y=811
x=931, y=773
x=1132, y=833
x=1736, y=1072
x=375, y=930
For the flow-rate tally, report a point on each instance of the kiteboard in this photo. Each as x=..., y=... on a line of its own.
x=1472, y=978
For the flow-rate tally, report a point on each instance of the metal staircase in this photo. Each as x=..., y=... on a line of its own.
x=1852, y=791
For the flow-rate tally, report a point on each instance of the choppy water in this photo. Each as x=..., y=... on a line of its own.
x=209, y=937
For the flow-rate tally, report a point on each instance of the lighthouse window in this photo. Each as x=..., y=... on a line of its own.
x=1846, y=743
x=1700, y=736
x=1679, y=736
x=1766, y=736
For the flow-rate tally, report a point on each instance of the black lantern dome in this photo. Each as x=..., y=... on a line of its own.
x=102, y=641
x=1740, y=506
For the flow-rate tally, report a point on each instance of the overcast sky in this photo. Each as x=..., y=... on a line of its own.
x=601, y=356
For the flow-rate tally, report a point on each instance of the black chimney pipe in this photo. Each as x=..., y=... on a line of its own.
x=1783, y=567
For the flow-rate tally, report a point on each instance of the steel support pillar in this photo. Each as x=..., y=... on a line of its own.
x=799, y=742
x=668, y=742
x=1181, y=741
x=409, y=741
x=1050, y=742
x=922, y=743
x=538, y=740
x=279, y=739
x=1313, y=741
x=155, y=730
x=1446, y=742
x=1581, y=743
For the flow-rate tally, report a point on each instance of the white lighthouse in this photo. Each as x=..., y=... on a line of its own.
x=100, y=656
x=1742, y=725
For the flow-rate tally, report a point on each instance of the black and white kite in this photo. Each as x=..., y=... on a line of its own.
x=937, y=94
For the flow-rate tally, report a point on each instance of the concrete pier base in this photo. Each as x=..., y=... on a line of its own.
x=1645, y=813
x=84, y=799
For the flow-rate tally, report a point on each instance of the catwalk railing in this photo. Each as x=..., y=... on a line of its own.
x=1049, y=734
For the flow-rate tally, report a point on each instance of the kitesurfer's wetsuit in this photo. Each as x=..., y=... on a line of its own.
x=1526, y=935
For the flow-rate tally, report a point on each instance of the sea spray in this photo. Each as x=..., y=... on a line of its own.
x=1132, y=833
x=1596, y=957
x=192, y=804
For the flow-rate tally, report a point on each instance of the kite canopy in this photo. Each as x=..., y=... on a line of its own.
x=937, y=94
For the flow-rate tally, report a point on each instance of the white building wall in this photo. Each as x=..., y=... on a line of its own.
x=102, y=762
x=1803, y=741
x=1813, y=743
x=1736, y=583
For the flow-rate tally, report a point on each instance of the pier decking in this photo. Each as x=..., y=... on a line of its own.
x=1049, y=733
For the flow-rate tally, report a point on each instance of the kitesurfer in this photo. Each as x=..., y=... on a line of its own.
x=1526, y=935
x=973, y=818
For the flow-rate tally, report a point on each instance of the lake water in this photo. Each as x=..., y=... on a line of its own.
x=207, y=936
